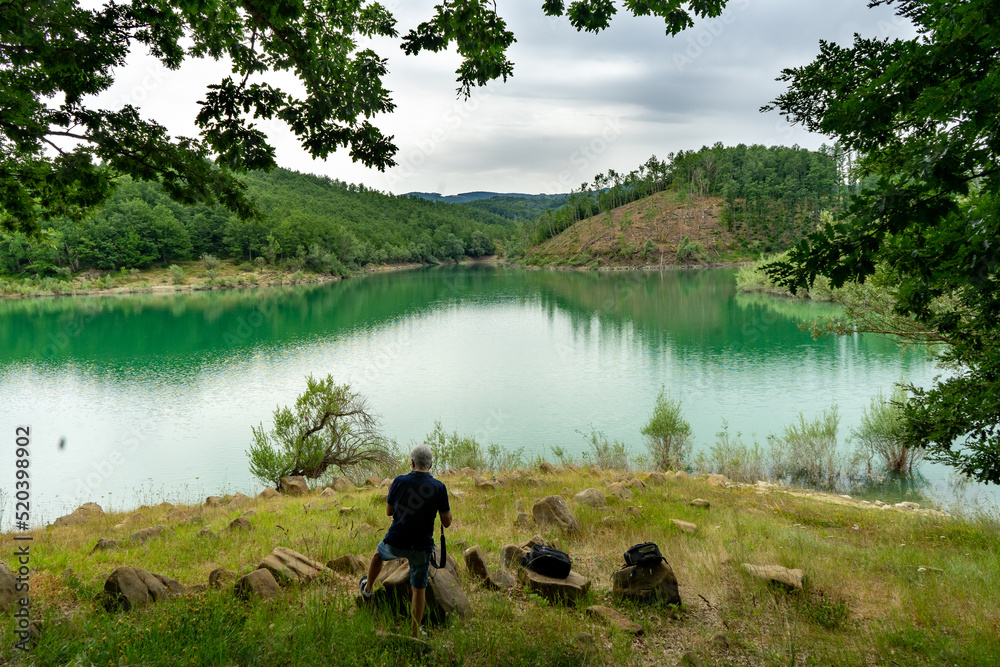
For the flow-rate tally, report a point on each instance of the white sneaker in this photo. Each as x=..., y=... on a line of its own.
x=364, y=584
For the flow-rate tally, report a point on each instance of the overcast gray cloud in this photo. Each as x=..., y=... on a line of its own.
x=578, y=103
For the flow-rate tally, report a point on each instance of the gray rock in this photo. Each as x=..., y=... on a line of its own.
x=510, y=555
x=104, y=544
x=342, y=484
x=621, y=491
x=80, y=515
x=240, y=523
x=213, y=501
x=290, y=566
x=131, y=587
x=685, y=526
x=700, y=502
x=259, y=583
x=476, y=564
x=591, y=497
x=523, y=520
x=545, y=467
x=268, y=493
x=293, y=485
x=349, y=564
x=718, y=480
x=220, y=576
x=9, y=596
x=657, y=478
x=791, y=579
x=554, y=510
x=555, y=590
x=444, y=594
x=207, y=533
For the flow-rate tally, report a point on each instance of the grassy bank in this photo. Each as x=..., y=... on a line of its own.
x=882, y=586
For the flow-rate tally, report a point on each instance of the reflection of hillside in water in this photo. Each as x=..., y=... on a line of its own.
x=691, y=311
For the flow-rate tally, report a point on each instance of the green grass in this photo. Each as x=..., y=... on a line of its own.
x=882, y=586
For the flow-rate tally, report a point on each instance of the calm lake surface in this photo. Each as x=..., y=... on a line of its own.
x=153, y=395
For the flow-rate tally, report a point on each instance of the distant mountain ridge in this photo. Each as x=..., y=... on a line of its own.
x=467, y=197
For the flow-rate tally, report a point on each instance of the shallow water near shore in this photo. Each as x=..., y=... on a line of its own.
x=152, y=396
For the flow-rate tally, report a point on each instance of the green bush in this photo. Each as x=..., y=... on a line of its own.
x=454, y=451
x=608, y=454
x=176, y=274
x=210, y=261
x=882, y=433
x=667, y=433
x=688, y=249
x=807, y=452
x=330, y=426
x=729, y=456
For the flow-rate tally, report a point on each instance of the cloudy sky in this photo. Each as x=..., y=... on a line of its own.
x=578, y=103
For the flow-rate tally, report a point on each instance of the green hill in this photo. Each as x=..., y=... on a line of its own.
x=306, y=222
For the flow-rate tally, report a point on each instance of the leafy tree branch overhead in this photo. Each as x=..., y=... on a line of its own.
x=59, y=155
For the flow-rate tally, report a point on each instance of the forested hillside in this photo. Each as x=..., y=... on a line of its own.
x=746, y=197
x=771, y=193
x=306, y=222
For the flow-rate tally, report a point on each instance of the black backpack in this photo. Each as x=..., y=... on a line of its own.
x=646, y=554
x=548, y=562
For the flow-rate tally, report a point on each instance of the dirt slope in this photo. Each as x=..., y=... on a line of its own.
x=622, y=237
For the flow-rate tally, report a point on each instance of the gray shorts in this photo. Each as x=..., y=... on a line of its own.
x=420, y=562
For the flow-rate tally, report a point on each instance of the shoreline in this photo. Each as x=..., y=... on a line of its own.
x=275, y=279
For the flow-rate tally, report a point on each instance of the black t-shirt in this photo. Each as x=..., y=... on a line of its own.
x=416, y=498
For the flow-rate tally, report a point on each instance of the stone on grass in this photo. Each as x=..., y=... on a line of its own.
x=347, y=510
x=621, y=491
x=239, y=523
x=511, y=555
x=615, y=619
x=680, y=474
x=239, y=499
x=791, y=579
x=907, y=506
x=574, y=468
x=81, y=514
x=554, y=510
x=348, y=564
x=220, y=576
x=444, y=594
x=632, y=512
x=342, y=484
x=456, y=493
x=545, y=467
x=685, y=526
x=213, y=501
x=293, y=485
x=179, y=515
x=656, y=478
x=594, y=469
x=385, y=483
x=104, y=544
x=146, y=534
x=700, y=502
x=290, y=566
x=131, y=587
x=476, y=564
x=591, y=497
x=327, y=492
x=523, y=520
x=646, y=583
x=484, y=484
x=268, y=493
x=207, y=533
x=380, y=499
x=718, y=480
x=635, y=483
x=9, y=595
x=259, y=583
x=566, y=590
x=467, y=472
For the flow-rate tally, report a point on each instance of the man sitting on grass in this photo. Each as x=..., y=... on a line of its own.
x=414, y=500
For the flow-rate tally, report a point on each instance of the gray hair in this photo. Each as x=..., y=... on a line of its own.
x=422, y=457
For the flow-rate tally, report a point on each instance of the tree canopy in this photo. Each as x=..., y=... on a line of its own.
x=59, y=154
x=923, y=114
